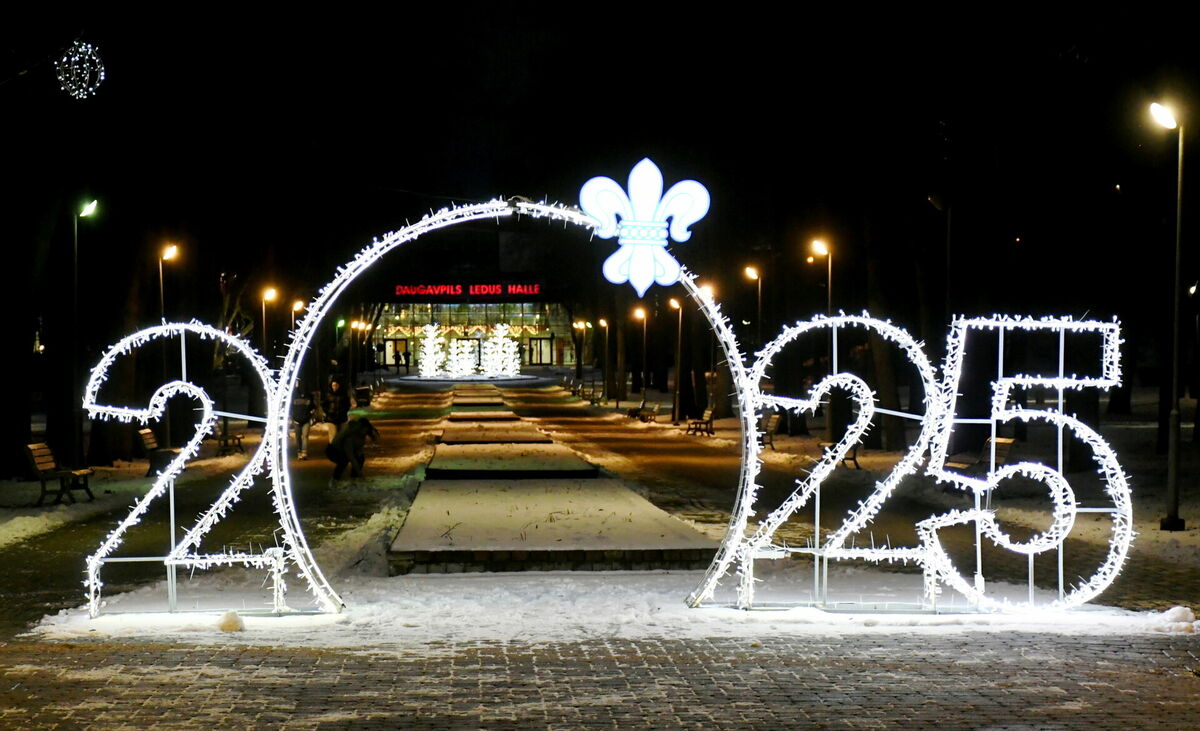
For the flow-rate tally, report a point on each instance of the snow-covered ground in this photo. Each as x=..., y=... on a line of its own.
x=417, y=610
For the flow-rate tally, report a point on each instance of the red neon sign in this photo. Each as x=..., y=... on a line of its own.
x=457, y=290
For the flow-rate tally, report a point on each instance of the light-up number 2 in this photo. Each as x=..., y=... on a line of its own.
x=183, y=552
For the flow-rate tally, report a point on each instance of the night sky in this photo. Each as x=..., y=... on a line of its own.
x=278, y=146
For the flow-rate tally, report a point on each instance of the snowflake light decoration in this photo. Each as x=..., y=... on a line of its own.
x=80, y=70
x=432, y=354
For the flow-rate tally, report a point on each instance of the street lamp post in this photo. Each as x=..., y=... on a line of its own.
x=640, y=313
x=752, y=273
x=77, y=407
x=297, y=306
x=675, y=415
x=604, y=324
x=1165, y=117
x=820, y=248
x=169, y=252
x=269, y=295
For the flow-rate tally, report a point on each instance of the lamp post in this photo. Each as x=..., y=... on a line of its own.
x=297, y=306
x=752, y=273
x=675, y=415
x=820, y=248
x=1166, y=117
x=77, y=408
x=604, y=324
x=269, y=295
x=640, y=314
x=169, y=253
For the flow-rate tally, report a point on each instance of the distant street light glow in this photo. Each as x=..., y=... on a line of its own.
x=170, y=252
x=89, y=209
x=751, y=272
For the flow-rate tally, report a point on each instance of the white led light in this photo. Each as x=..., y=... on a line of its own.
x=643, y=227
x=937, y=424
x=461, y=361
x=501, y=354
x=79, y=70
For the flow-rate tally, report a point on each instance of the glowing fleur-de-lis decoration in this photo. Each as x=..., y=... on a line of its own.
x=643, y=229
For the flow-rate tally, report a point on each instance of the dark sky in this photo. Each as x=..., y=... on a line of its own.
x=279, y=145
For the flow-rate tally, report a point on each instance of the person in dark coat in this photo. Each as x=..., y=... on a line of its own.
x=346, y=448
x=337, y=404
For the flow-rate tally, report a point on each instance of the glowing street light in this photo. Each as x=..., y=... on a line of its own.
x=604, y=324
x=169, y=253
x=820, y=248
x=1165, y=116
x=640, y=314
x=752, y=273
x=297, y=306
x=270, y=294
x=77, y=395
x=675, y=405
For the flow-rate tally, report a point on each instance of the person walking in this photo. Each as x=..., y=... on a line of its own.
x=337, y=404
x=303, y=411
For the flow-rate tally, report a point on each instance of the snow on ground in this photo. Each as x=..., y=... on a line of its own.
x=417, y=610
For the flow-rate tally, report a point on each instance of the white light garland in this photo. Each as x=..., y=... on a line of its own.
x=937, y=424
x=641, y=236
x=180, y=553
x=79, y=70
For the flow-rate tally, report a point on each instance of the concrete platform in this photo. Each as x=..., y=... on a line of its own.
x=542, y=525
x=482, y=416
x=497, y=433
x=477, y=401
x=506, y=462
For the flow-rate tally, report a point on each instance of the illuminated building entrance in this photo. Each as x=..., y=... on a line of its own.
x=469, y=311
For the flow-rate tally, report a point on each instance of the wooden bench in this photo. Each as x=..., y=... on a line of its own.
x=703, y=425
x=649, y=413
x=46, y=469
x=849, y=458
x=770, y=425
x=227, y=442
x=965, y=461
x=159, y=457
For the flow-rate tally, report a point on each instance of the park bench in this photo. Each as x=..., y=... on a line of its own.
x=703, y=425
x=227, y=443
x=964, y=461
x=46, y=469
x=649, y=413
x=849, y=458
x=159, y=457
x=770, y=425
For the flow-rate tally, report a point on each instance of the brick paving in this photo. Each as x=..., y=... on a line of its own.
x=862, y=681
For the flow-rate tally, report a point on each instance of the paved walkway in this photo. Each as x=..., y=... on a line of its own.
x=891, y=681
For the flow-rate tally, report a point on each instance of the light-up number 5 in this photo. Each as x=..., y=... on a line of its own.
x=938, y=565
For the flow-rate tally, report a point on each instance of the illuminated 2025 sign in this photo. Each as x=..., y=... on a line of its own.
x=644, y=219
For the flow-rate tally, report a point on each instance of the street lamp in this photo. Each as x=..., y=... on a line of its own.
x=752, y=273
x=820, y=248
x=77, y=426
x=169, y=253
x=1166, y=118
x=297, y=306
x=270, y=294
x=640, y=314
x=604, y=324
x=675, y=405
